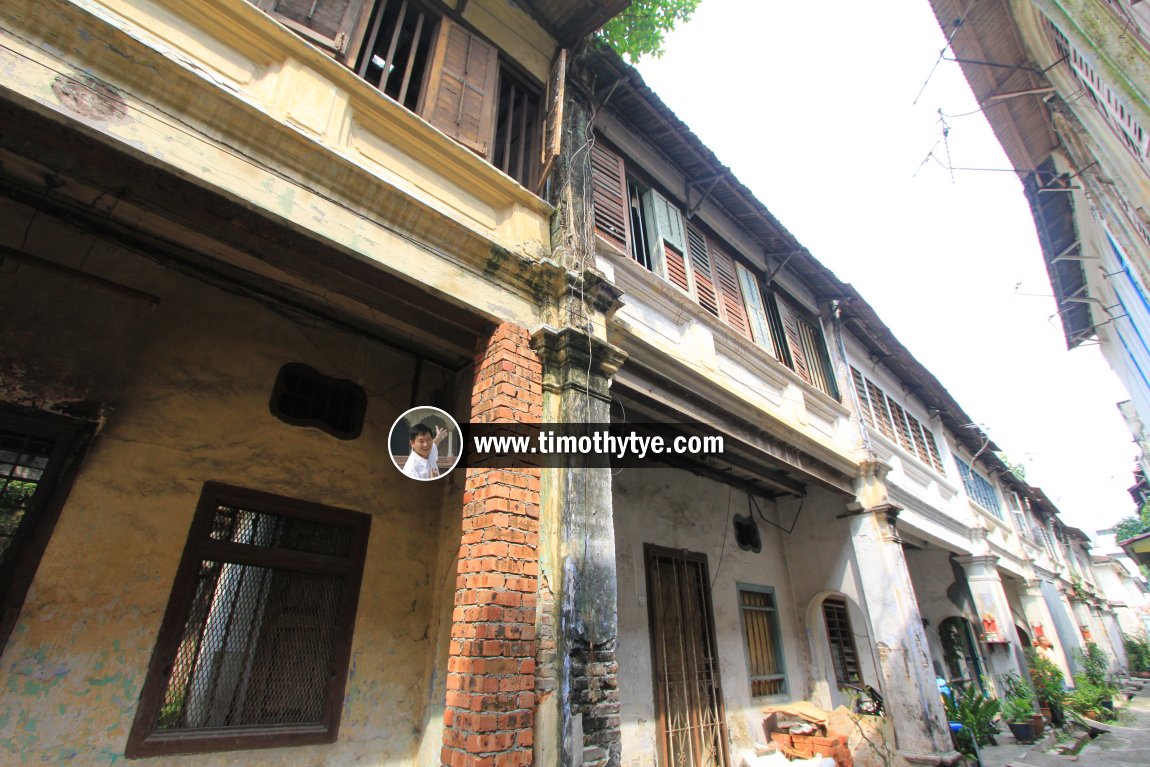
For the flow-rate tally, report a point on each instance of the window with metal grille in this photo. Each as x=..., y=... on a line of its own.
x=979, y=488
x=38, y=457
x=761, y=638
x=253, y=650
x=303, y=397
x=844, y=655
x=517, y=129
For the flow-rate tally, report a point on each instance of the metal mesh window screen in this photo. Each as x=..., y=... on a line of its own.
x=254, y=647
x=23, y=460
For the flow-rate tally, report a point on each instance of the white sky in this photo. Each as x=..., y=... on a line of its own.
x=812, y=107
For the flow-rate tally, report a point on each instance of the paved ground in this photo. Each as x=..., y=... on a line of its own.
x=1127, y=744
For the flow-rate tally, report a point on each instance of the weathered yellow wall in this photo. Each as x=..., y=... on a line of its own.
x=187, y=387
x=220, y=93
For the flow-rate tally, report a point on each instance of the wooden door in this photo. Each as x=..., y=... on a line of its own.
x=688, y=691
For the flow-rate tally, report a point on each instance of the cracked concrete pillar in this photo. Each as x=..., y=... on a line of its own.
x=911, y=695
x=579, y=562
x=995, y=624
x=1044, y=630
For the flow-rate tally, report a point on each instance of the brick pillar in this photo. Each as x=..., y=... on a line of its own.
x=490, y=711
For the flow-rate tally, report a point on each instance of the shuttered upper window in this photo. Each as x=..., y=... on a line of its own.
x=883, y=413
x=636, y=220
x=432, y=65
x=254, y=646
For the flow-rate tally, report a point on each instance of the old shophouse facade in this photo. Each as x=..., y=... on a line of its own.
x=240, y=240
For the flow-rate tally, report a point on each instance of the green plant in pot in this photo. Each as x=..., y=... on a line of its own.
x=976, y=712
x=1047, y=680
x=1091, y=700
x=1094, y=681
x=1018, y=708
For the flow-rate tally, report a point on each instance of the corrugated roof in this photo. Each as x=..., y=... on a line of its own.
x=569, y=21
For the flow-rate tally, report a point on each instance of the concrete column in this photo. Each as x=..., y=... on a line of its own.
x=1038, y=614
x=582, y=617
x=911, y=694
x=995, y=620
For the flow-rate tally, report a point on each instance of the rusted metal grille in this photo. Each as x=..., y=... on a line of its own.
x=23, y=461
x=761, y=635
x=688, y=690
x=844, y=656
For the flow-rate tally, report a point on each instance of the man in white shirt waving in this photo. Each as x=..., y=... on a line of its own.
x=423, y=463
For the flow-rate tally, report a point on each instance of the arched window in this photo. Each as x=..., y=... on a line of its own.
x=844, y=654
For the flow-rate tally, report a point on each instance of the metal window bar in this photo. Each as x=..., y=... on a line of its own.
x=844, y=655
x=396, y=50
x=23, y=461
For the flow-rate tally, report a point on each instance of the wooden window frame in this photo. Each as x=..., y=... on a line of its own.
x=836, y=649
x=775, y=627
x=979, y=489
x=145, y=739
x=71, y=441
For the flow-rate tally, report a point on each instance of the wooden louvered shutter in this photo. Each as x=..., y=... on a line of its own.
x=864, y=401
x=730, y=297
x=881, y=409
x=463, y=88
x=327, y=23
x=756, y=310
x=609, y=197
x=667, y=241
x=790, y=322
x=701, y=268
x=902, y=427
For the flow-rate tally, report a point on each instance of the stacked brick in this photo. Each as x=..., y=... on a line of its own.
x=800, y=745
x=490, y=714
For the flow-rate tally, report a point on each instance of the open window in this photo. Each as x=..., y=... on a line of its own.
x=437, y=67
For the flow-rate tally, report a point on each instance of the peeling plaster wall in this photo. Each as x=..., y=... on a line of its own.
x=679, y=510
x=822, y=562
x=942, y=593
x=185, y=388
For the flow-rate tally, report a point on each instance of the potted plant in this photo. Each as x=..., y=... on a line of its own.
x=1047, y=680
x=1095, y=664
x=976, y=712
x=1018, y=708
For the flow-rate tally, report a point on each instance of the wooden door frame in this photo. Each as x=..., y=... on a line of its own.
x=650, y=553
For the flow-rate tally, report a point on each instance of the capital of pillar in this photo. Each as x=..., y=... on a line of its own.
x=575, y=361
x=870, y=485
x=980, y=567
